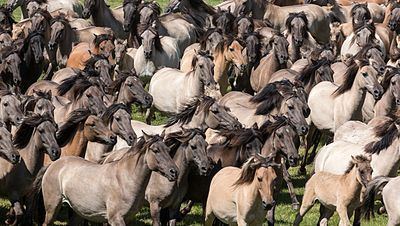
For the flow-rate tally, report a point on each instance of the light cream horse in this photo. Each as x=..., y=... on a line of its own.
x=333, y=105
x=186, y=86
x=337, y=192
x=242, y=196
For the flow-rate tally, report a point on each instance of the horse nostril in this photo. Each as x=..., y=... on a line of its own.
x=304, y=129
x=173, y=172
x=113, y=138
x=398, y=101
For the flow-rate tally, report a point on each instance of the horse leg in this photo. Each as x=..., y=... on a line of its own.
x=75, y=219
x=149, y=115
x=209, y=219
x=313, y=153
x=19, y=211
x=116, y=220
x=155, y=213
x=311, y=142
x=187, y=208
x=357, y=217
x=307, y=204
x=324, y=215
x=292, y=193
x=271, y=216
x=344, y=217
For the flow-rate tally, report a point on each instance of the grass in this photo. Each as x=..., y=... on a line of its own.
x=284, y=213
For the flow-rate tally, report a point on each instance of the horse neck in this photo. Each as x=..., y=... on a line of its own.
x=253, y=197
x=221, y=64
x=387, y=162
x=65, y=46
x=268, y=147
x=33, y=154
x=352, y=184
x=103, y=16
x=193, y=84
x=77, y=146
x=354, y=98
x=388, y=11
x=136, y=174
x=182, y=163
x=198, y=121
x=271, y=13
x=384, y=106
x=296, y=51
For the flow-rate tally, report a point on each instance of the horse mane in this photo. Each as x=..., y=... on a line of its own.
x=44, y=94
x=61, y=18
x=387, y=132
x=110, y=111
x=31, y=35
x=270, y=96
x=6, y=51
x=240, y=137
x=349, y=77
x=25, y=130
x=98, y=39
x=152, y=5
x=292, y=16
x=89, y=64
x=68, y=130
x=122, y=76
x=157, y=40
x=370, y=26
x=203, y=39
x=228, y=39
x=351, y=165
x=203, y=54
x=30, y=102
x=43, y=12
x=78, y=83
x=137, y=2
x=7, y=13
x=239, y=18
x=5, y=92
x=269, y=127
x=362, y=6
x=308, y=74
x=176, y=139
x=186, y=114
x=249, y=169
x=220, y=13
x=201, y=4
x=390, y=73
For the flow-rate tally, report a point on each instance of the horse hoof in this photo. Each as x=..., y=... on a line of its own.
x=381, y=210
x=295, y=206
x=302, y=171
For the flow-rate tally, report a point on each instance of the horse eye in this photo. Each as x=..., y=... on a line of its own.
x=231, y=49
x=259, y=179
x=365, y=74
x=155, y=150
x=393, y=82
x=290, y=107
x=93, y=125
x=5, y=104
x=193, y=146
x=117, y=118
x=280, y=135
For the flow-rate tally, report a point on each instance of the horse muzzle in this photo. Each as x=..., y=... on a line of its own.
x=268, y=205
x=85, y=14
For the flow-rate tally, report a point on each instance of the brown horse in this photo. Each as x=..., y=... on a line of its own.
x=10, y=109
x=10, y=66
x=39, y=103
x=275, y=60
x=103, y=44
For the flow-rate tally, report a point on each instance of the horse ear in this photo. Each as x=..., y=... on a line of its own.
x=153, y=25
x=125, y=42
x=163, y=134
x=218, y=9
x=90, y=52
x=353, y=159
x=370, y=21
x=229, y=8
x=255, y=126
x=146, y=136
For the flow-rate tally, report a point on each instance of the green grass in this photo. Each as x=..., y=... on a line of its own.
x=284, y=214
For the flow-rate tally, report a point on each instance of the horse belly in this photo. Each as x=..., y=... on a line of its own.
x=321, y=104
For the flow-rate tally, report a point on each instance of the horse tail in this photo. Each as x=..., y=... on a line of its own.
x=373, y=188
x=36, y=207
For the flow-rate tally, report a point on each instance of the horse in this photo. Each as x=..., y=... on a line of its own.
x=129, y=89
x=149, y=154
x=277, y=15
x=155, y=52
x=276, y=59
x=340, y=192
x=35, y=137
x=190, y=155
x=103, y=16
x=336, y=38
x=224, y=20
x=345, y=100
x=131, y=8
x=301, y=43
x=117, y=118
x=85, y=95
x=233, y=189
x=10, y=66
x=7, y=21
x=32, y=59
x=275, y=98
x=388, y=187
x=102, y=45
x=390, y=101
x=51, y=5
x=39, y=103
x=80, y=127
x=188, y=86
x=5, y=38
x=361, y=37
x=10, y=109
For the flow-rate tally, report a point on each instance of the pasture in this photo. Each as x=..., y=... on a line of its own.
x=285, y=215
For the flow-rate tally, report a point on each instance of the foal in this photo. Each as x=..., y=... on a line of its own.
x=242, y=196
x=340, y=192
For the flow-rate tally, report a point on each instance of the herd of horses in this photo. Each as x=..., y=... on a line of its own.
x=245, y=85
